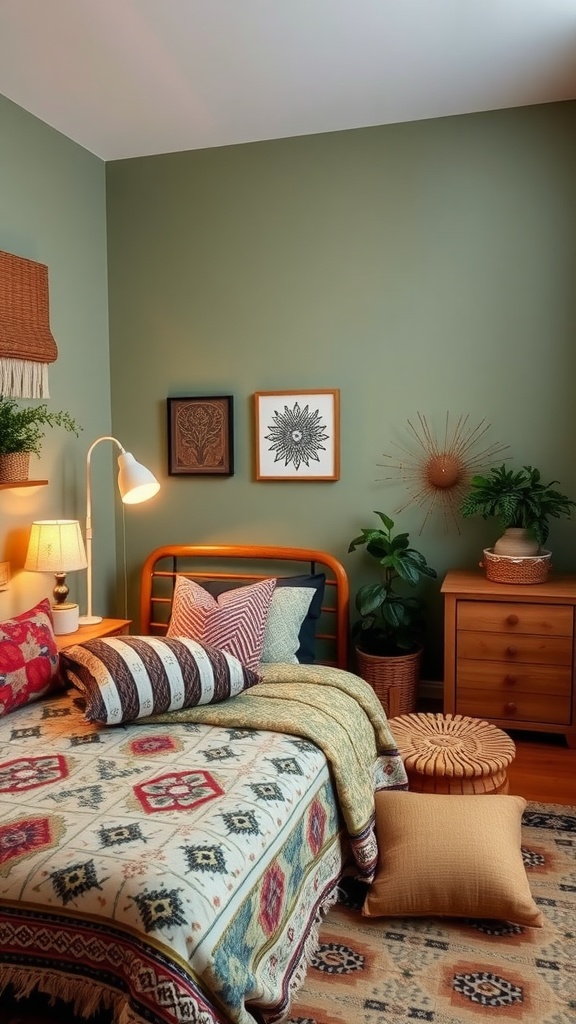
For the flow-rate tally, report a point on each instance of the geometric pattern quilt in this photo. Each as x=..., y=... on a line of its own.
x=171, y=872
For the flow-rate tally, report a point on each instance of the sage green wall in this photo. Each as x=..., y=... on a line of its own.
x=52, y=209
x=424, y=267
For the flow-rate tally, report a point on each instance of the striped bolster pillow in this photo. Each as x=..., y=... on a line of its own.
x=129, y=677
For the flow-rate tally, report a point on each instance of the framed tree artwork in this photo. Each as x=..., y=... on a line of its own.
x=297, y=434
x=201, y=436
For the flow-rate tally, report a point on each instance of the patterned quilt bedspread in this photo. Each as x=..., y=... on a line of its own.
x=175, y=870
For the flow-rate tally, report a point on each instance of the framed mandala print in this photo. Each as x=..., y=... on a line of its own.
x=200, y=436
x=297, y=435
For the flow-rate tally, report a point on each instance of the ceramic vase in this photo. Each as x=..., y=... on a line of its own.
x=516, y=541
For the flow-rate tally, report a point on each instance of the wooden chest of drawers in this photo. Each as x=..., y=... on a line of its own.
x=509, y=652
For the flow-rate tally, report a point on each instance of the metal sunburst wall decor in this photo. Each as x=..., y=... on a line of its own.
x=437, y=472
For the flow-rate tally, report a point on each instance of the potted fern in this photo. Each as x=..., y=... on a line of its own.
x=388, y=633
x=22, y=429
x=523, y=505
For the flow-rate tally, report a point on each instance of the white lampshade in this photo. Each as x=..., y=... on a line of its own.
x=55, y=546
x=135, y=482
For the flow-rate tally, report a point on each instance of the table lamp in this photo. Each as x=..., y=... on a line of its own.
x=56, y=546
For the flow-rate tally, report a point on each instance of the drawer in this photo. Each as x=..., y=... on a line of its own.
x=541, y=650
x=504, y=617
x=507, y=679
x=520, y=707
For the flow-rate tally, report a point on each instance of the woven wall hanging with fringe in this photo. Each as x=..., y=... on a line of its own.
x=26, y=342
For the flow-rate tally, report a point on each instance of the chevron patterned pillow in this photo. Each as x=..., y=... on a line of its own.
x=235, y=622
x=296, y=606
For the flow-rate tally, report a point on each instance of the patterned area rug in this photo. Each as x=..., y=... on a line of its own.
x=397, y=971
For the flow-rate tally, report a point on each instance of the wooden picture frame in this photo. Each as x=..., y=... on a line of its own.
x=297, y=434
x=201, y=436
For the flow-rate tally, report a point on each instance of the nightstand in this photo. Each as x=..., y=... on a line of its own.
x=108, y=627
x=509, y=652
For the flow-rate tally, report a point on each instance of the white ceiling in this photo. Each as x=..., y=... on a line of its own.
x=127, y=78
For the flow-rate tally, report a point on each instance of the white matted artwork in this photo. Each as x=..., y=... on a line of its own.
x=297, y=434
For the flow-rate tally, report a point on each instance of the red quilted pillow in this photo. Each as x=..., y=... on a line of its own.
x=235, y=622
x=28, y=657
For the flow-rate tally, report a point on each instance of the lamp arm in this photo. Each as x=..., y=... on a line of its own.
x=88, y=538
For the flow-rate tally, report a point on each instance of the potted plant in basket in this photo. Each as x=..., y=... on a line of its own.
x=522, y=504
x=22, y=430
x=389, y=632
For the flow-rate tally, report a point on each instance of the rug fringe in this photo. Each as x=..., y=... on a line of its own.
x=85, y=997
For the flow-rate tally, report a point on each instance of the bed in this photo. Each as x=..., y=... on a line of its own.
x=165, y=863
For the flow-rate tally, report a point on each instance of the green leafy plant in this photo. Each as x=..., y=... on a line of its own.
x=391, y=619
x=517, y=498
x=22, y=429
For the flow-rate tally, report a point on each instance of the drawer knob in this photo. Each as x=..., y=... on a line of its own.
x=510, y=707
x=511, y=680
x=512, y=620
x=511, y=650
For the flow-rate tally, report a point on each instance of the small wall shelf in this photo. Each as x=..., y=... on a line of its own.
x=22, y=483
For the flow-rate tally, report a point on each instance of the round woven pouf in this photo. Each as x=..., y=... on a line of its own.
x=453, y=754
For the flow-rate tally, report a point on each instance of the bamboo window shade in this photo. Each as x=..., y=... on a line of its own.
x=26, y=342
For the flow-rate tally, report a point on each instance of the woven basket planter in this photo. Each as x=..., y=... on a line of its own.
x=394, y=680
x=14, y=467
x=516, y=568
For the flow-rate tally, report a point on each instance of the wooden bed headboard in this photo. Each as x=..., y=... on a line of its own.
x=246, y=563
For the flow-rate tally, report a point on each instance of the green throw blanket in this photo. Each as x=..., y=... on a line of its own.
x=338, y=712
